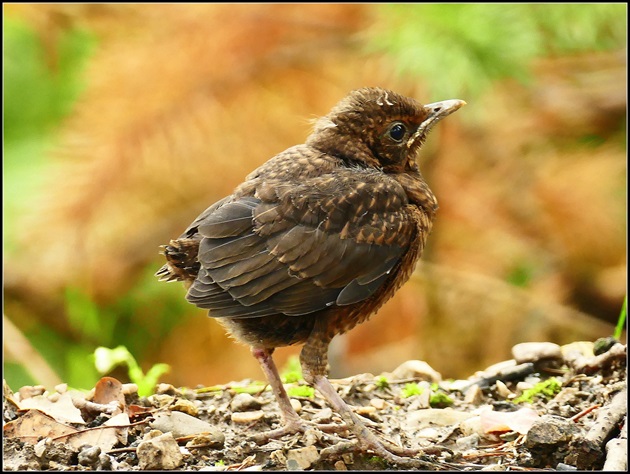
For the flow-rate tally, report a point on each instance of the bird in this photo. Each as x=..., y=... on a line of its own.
x=315, y=241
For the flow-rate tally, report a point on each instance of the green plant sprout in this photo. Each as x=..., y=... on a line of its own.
x=546, y=389
x=411, y=389
x=301, y=391
x=381, y=382
x=292, y=371
x=621, y=322
x=106, y=359
x=438, y=399
x=254, y=387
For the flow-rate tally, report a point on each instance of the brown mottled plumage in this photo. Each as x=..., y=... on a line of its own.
x=316, y=239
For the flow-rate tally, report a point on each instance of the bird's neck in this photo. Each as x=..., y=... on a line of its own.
x=418, y=192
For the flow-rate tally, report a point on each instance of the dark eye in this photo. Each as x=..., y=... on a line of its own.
x=397, y=132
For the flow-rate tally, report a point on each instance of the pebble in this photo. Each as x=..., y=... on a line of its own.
x=181, y=425
x=340, y=466
x=29, y=391
x=466, y=443
x=245, y=417
x=129, y=388
x=416, y=369
x=550, y=430
x=159, y=451
x=323, y=416
x=168, y=389
x=89, y=455
x=577, y=349
x=365, y=411
x=474, y=395
x=535, y=351
x=210, y=440
x=244, y=402
x=184, y=406
x=503, y=390
x=377, y=403
x=297, y=406
x=302, y=458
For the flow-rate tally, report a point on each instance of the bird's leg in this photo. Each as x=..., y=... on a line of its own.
x=292, y=421
x=314, y=358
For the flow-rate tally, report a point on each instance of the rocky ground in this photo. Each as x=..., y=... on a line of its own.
x=551, y=407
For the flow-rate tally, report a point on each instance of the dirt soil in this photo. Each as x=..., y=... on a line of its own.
x=552, y=408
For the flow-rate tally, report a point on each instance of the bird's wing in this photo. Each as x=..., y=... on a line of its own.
x=296, y=249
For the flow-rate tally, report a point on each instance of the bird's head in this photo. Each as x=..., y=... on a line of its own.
x=378, y=128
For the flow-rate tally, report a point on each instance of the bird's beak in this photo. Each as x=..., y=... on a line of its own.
x=437, y=111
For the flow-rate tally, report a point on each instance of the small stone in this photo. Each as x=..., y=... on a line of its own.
x=184, y=406
x=340, y=466
x=377, y=403
x=578, y=349
x=474, y=395
x=129, y=388
x=167, y=389
x=244, y=402
x=348, y=458
x=214, y=440
x=550, y=430
x=365, y=411
x=181, y=425
x=247, y=416
x=89, y=456
x=278, y=457
x=297, y=406
x=61, y=388
x=159, y=452
x=502, y=389
x=497, y=368
x=41, y=447
x=29, y=391
x=603, y=344
x=54, y=397
x=323, y=416
x=416, y=369
x=466, y=443
x=535, y=351
x=304, y=457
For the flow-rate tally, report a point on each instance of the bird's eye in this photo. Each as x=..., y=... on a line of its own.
x=397, y=132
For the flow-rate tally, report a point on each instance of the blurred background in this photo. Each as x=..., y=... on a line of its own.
x=123, y=122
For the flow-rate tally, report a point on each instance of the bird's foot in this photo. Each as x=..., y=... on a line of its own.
x=297, y=426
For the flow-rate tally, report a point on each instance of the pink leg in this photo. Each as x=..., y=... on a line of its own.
x=292, y=421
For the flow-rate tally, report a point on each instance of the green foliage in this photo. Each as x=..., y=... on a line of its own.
x=254, y=387
x=107, y=359
x=292, y=371
x=381, y=382
x=440, y=400
x=546, y=389
x=301, y=391
x=37, y=96
x=37, y=93
x=468, y=46
x=411, y=389
x=520, y=275
x=621, y=322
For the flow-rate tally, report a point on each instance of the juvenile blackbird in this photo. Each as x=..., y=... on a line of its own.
x=315, y=240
